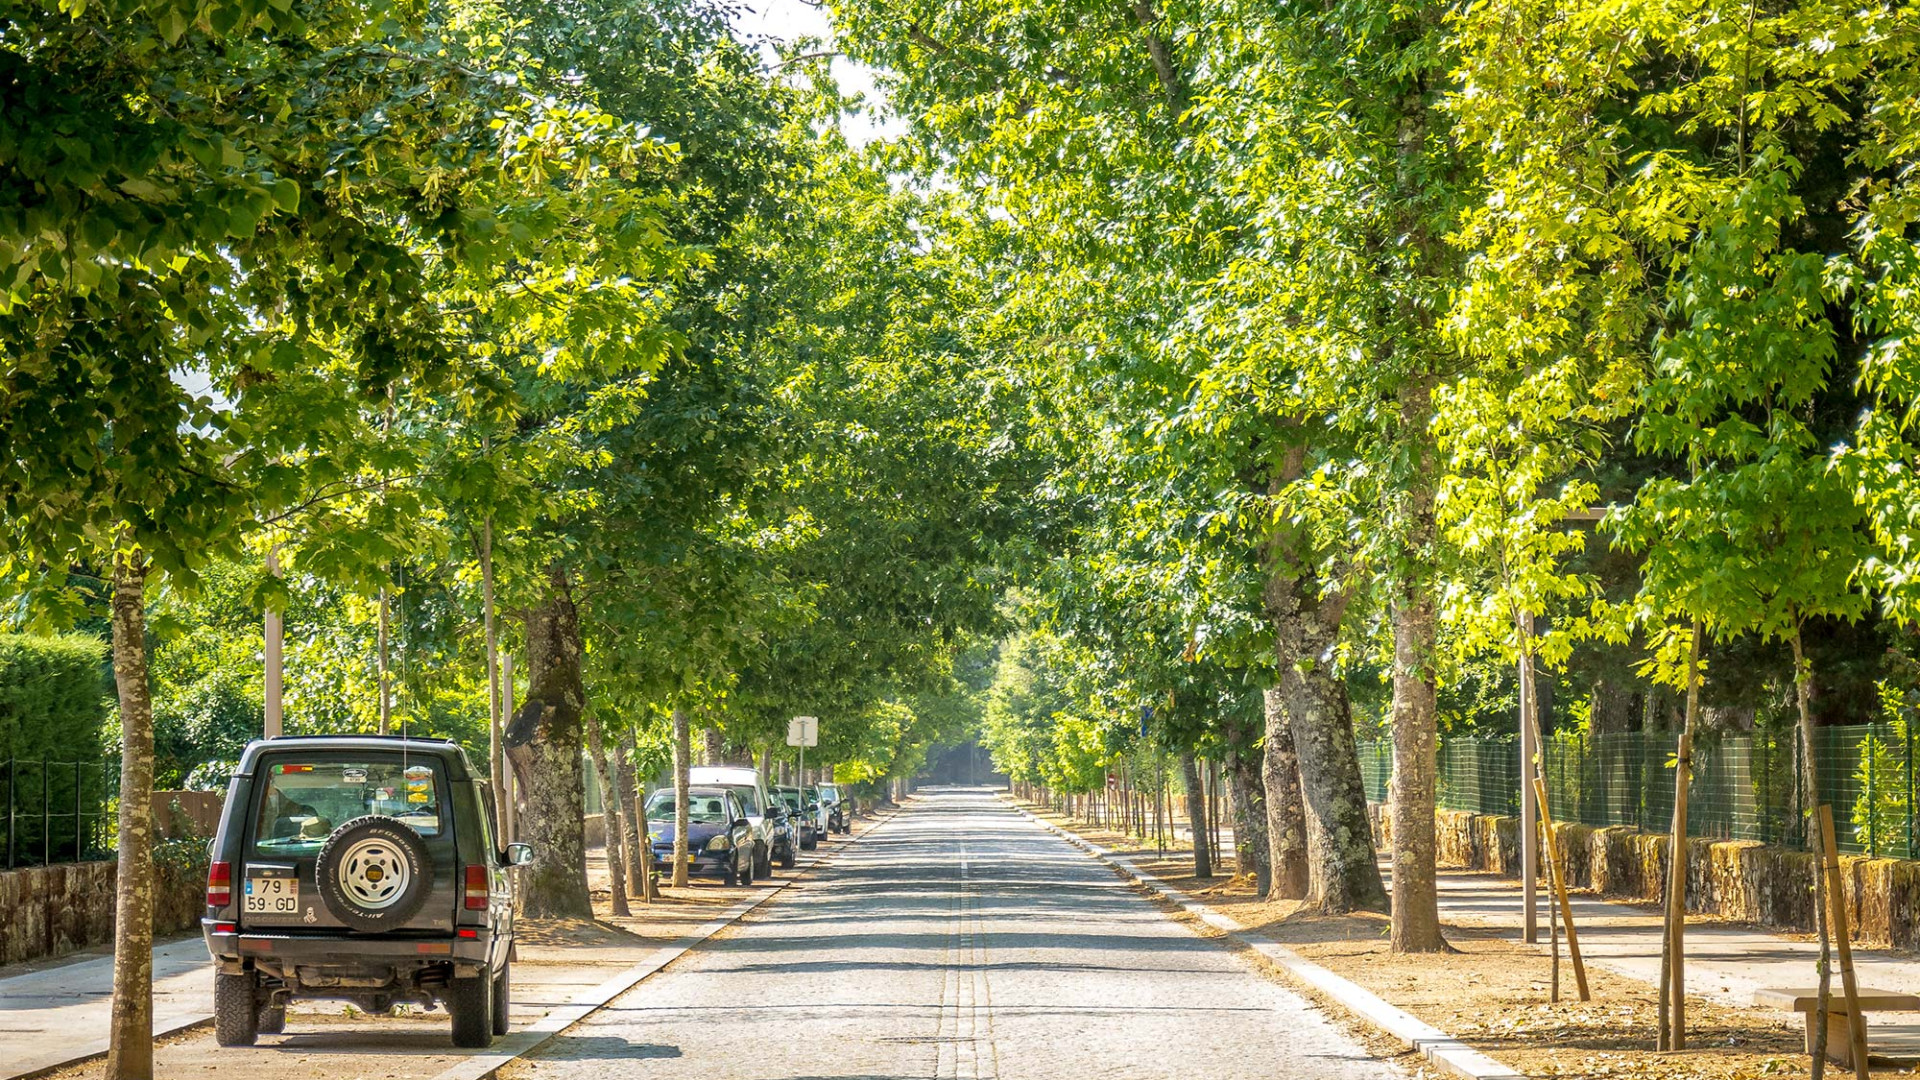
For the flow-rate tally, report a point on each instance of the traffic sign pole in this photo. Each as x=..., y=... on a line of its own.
x=803, y=731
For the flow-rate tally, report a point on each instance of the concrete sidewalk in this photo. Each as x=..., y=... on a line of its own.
x=1723, y=963
x=51, y=1016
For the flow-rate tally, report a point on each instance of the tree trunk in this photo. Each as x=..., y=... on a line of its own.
x=635, y=852
x=1249, y=799
x=1415, y=923
x=509, y=794
x=1196, y=816
x=1286, y=807
x=713, y=748
x=130, y=1045
x=544, y=746
x=1810, y=769
x=1612, y=707
x=682, y=761
x=1342, y=874
x=497, y=707
x=1305, y=612
x=611, y=817
x=1676, y=924
x=382, y=665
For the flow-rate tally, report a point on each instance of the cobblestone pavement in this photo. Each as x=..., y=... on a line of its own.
x=957, y=940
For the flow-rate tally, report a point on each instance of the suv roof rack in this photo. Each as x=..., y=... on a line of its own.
x=359, y=735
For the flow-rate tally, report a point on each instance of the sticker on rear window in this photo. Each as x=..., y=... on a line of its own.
x=354, y=774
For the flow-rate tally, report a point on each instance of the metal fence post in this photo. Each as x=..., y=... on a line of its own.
x=1873, y=804
x=79, y=847
x=1908, y=806
x=13, y=824
x=46, y=818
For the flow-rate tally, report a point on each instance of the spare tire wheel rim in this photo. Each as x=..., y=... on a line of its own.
x=374, y=873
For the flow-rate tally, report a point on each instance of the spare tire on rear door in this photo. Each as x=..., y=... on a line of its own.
x=373, y=873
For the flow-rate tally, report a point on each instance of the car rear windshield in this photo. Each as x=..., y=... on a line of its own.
x=791, y=798
x=748, y=795
x=303, y=802
x=701, y=809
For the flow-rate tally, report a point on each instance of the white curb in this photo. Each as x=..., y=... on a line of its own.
x=1437, y=1046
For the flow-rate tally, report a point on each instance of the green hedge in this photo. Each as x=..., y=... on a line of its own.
x=54, y=696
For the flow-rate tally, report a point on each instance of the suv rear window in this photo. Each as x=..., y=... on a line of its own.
x=305, y=801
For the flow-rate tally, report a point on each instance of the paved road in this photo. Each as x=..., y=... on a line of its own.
x=958, y=940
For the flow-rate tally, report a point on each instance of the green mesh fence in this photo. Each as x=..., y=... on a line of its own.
x=1745, y=786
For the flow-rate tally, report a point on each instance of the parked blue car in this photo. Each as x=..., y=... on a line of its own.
x=719, y=836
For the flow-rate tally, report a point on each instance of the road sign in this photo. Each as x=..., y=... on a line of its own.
x=803, y=731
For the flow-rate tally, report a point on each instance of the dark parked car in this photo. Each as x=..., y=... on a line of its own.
x=364, y=869
x=804, y=814
x=839, y=810
x=719, y=836
x=785, y=846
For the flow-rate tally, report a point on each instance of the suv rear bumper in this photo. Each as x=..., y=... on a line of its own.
x=231, y=949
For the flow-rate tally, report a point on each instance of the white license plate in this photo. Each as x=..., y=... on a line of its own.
x=272, y=896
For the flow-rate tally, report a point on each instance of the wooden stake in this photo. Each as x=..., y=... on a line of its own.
x=1559, y=882
x=1553, y=913
x=1856, y=1024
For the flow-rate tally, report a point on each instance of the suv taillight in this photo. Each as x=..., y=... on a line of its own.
x=477, y=888
x=219, y=884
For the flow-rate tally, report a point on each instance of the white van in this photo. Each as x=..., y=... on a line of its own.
x=747, y=785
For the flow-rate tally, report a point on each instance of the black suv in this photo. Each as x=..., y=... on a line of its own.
x=359, y=868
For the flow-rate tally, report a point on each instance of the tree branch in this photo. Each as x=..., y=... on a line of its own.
x=1162, y=57
x=803, y=56
x=346, y=488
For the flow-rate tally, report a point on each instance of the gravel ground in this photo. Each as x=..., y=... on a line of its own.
x=958, y=940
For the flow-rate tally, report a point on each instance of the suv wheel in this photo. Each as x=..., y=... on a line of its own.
x=236, y=1008
x=730, y=873
x=762, y=862
x=373, y=873
x=502, y=997
x=746, y=869
x=470, y=1005
x=788, y=857
x=273, y=1018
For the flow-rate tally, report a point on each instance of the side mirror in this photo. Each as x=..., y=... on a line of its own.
x=519, y=854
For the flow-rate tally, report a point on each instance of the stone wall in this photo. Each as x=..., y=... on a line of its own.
x=1734, y=879
x=48, y=911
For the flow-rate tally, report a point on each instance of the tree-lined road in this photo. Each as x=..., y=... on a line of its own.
x=958, y=940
